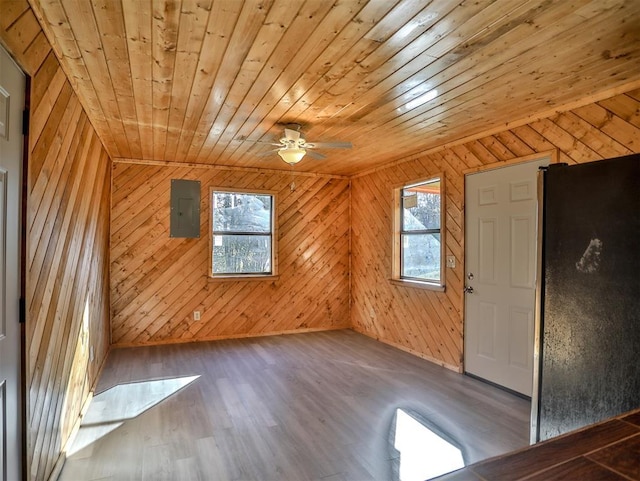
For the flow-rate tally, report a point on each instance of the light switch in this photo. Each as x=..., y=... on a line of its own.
x=451, y=262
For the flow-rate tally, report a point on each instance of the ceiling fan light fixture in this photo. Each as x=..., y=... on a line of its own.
x=292, y=155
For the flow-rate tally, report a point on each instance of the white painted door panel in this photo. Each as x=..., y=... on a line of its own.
x=500, y=260
x=12, y=87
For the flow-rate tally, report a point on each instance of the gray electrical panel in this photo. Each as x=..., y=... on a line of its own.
x=185, y=208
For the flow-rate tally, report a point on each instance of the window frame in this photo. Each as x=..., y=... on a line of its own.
x=397, y=248
x=274, y=235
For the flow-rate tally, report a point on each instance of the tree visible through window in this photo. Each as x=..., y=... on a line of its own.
x=242, y=233
x=419, y=242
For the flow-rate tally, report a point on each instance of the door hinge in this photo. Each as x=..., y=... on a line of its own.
x=25, y=122
x=23, y=311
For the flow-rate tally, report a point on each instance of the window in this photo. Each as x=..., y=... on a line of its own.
x=243, y=240
x=418, y=235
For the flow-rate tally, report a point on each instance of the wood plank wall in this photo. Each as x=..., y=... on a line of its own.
x=68, y=196
x=157, y=281
x=430, y=323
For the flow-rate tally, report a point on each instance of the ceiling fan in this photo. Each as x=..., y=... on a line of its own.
x=293, y=146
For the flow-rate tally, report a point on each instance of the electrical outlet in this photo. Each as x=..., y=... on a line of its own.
x=196, y=315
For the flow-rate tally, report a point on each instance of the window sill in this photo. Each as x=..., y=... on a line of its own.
x=247, y=277
x=430, y=286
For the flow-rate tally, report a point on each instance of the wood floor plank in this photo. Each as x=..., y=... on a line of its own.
x=315, y=406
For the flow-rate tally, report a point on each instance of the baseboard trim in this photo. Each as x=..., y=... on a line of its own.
x=419, y=354
x=228, y=337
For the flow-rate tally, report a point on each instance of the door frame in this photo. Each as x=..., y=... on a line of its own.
x=23, y=190
x=537, y=316
x=554, y=158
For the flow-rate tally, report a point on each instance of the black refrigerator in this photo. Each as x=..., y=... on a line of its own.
x=588, y=323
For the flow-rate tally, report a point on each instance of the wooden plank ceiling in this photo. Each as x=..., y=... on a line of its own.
x=199, y=80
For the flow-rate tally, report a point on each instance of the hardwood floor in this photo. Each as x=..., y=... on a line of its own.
x=318, y=406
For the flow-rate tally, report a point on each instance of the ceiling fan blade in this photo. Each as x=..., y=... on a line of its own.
x=328, y=145
x=267, y=142
x=291, y=134
x=243, y=138
x=315, y=155
x=266, y=153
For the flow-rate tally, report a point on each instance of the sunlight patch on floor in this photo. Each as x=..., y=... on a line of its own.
x=112, y=408
x=424, y=454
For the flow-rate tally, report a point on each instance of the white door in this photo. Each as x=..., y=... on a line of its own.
x=500, y=265
x=12, y=87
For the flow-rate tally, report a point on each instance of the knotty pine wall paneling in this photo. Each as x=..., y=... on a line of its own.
x=428, y=323
x=157, y=281
x=68, y=195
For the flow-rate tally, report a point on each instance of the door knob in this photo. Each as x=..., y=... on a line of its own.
x=468, y=290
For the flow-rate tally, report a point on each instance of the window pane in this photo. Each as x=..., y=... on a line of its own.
x=421, y=256
x=241, y=254
x=421, y=207
x=235, y=212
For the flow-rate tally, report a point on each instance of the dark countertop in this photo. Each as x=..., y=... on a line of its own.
x=609, y=450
